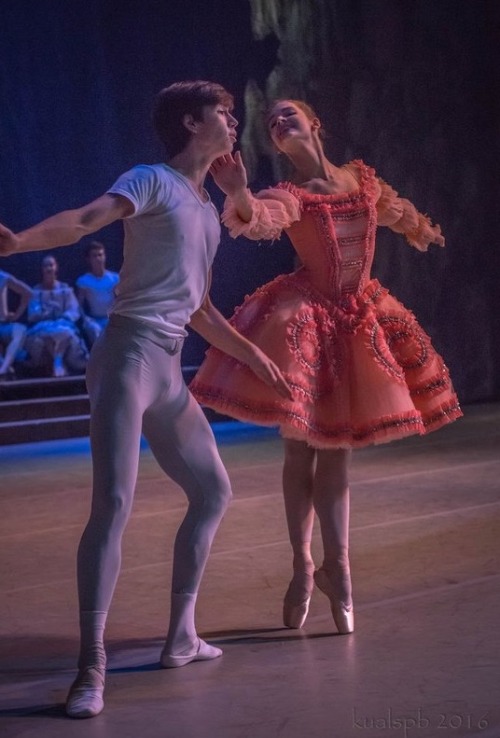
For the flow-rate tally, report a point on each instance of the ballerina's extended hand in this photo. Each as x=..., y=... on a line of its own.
x=229, y=173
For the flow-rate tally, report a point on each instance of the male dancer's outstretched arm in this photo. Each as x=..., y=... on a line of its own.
x=66, y=227
x=69, y=226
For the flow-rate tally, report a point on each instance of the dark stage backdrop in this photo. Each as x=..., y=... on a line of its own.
x=409, y=86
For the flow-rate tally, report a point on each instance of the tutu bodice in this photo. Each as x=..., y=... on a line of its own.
x=335, y=240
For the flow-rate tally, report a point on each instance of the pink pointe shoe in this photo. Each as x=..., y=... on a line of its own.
x=343, y=614
x=297, y=600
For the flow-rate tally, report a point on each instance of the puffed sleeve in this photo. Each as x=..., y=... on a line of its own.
x=403, y=217
x=273, y=210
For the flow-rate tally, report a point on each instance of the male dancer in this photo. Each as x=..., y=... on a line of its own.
x=134, y=375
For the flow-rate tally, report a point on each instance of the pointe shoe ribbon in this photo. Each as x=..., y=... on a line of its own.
x=85, y=698
x=343, y=614
x=203, y=652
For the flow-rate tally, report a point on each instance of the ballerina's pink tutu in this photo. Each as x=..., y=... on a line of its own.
x=360, y=367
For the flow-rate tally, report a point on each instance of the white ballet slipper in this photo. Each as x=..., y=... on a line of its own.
x=85, y=697
x=204, y=652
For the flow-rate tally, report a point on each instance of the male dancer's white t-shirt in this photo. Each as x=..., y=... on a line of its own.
x=170, y=243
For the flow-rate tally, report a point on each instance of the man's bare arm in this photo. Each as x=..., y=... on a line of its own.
x=211, y=324
x=66, y=227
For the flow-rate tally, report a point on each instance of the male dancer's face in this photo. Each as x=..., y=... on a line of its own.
x=216, y=132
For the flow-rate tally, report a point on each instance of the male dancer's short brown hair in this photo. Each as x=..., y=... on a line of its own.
x=180, y=98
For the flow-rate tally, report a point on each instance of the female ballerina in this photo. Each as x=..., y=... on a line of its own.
x=361, y=369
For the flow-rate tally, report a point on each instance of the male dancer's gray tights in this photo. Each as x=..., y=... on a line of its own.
x=135, y=385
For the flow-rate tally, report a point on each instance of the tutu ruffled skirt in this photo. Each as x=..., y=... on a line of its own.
x=361, y=370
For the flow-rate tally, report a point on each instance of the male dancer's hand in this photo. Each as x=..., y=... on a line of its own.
x=8, y=241
x=268, y=371
x=211, y=324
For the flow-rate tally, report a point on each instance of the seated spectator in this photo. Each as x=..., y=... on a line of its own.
x=12, y=333
x=53, y=340
x=95, y=292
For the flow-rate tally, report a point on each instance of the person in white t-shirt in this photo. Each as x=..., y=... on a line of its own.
x=134, y=376
x=95, y=292
x=12, y=333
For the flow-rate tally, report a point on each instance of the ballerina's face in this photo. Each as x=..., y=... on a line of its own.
x=288, y=125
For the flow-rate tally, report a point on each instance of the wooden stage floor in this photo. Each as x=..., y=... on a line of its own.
x=425, y=551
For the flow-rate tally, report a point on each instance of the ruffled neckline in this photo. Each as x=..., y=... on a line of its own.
x=316, y=197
